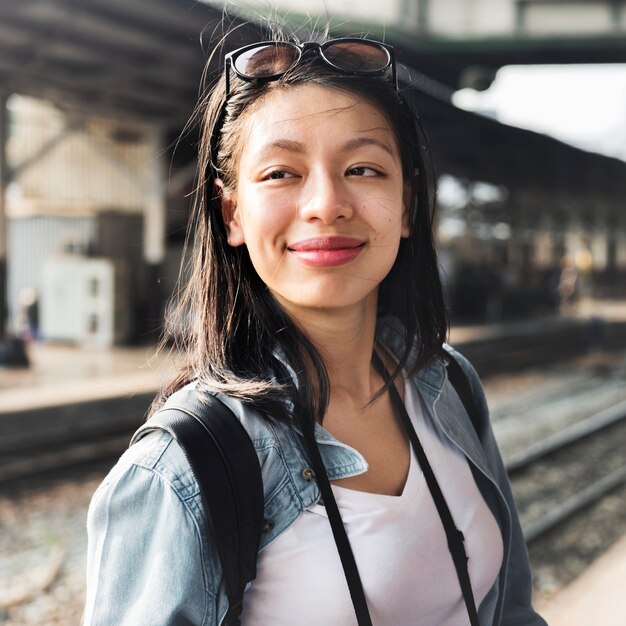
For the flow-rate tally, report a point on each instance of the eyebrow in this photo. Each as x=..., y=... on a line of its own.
x=352, y=144
x=359, y=142
x=286, y=144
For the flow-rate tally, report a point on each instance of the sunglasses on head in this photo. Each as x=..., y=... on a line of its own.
x=269, y=60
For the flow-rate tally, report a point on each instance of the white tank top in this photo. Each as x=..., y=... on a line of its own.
x=399, y=545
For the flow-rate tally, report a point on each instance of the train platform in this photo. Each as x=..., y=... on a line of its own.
x=609, y=311
x=79, y=394
x=596, y=597
x=62, y=374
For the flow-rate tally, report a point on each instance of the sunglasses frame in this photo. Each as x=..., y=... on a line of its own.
x=231, y=58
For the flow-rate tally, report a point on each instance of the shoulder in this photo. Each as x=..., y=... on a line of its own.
x=468, y=368
x=155, y=453
x=194, y=400
x=459, y=399
x=153, y=469
x=149, y=558
x=470, y=373
x=158, y=454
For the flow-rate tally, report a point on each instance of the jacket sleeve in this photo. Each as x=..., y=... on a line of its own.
x=148, y=562
x=517, y=607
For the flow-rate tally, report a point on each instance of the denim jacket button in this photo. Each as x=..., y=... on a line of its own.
x=268, y=525
x=308, y=474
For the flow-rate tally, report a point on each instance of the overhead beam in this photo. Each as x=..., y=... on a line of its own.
x=104, y=92
x=47, y=19
x=163, y=13
x=88, y=57
x=102, y=87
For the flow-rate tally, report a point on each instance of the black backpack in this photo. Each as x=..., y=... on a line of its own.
x=225, y=464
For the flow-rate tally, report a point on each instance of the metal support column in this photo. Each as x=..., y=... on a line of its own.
x=154, y=231
x=12, y=352
x=3, y=219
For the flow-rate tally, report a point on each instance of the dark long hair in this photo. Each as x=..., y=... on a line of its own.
x=236, y=337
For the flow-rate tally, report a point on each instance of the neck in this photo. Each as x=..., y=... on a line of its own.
x=345, y=340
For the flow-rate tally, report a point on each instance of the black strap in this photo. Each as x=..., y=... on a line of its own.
x=226, y=467
x=339, y=532
x=453, y=534
x=461, y=385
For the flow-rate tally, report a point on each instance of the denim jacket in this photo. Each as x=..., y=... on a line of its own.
x=150, y=558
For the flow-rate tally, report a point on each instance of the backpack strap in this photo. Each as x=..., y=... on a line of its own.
x=460, y=381
x=224, y=462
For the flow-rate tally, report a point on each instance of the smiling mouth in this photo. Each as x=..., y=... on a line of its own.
x=327, y=251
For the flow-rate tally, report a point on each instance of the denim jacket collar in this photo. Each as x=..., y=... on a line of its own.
x=430, y=381
x=443, y=408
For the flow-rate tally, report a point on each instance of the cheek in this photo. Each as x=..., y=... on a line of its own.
x=391, y=218
x=265, y=229
x=266, y=216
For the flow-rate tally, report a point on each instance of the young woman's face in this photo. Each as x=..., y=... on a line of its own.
x=320, y=199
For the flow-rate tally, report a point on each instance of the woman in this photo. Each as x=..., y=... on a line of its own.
x=314, y=309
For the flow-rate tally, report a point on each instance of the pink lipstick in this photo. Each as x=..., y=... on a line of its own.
x=327, y=251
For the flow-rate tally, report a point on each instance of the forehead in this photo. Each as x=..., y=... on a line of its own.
x=292, y=111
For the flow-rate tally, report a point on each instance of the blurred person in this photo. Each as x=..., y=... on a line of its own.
x=567, y=287
x=315, y=312
x=28, y=318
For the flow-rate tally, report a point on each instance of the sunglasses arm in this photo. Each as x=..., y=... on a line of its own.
x=227, y=66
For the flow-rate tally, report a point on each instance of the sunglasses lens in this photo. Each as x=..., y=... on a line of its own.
x=357, y=56
x=266, y=61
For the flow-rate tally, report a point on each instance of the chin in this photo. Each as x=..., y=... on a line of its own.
x=324, y=299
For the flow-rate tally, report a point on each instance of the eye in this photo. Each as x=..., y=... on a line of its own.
x=279, y=175
x=363, y=171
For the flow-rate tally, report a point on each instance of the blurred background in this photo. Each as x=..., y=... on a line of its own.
x=524, y=103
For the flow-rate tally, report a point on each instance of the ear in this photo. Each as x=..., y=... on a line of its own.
x=408, y=196
x=230, y=214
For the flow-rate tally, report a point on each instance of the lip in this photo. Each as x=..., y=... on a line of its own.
x=327, y=251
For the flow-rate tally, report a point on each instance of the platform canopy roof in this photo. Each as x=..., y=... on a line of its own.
x=141, y=60
x=127, y=59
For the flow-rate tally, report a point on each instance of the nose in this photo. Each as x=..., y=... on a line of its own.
x=325, y=199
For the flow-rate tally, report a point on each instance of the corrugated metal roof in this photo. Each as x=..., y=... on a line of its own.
x=138, y=59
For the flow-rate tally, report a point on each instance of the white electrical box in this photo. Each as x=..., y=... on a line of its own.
x=84, y=300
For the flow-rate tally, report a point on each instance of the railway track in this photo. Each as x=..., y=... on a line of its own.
x=562, y=475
